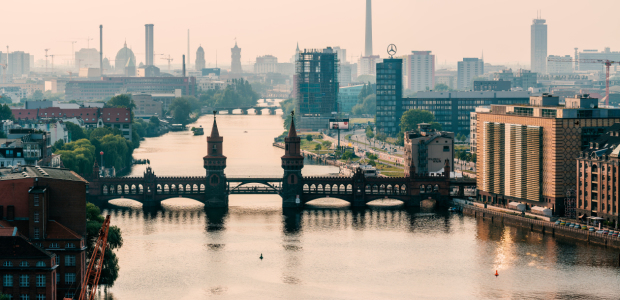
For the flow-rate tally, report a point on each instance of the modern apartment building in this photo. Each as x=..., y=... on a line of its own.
x=526, y=153
x=538, y=45
x=473, y=120
x=347, y=97
x=389, y=95
x=555, y=65
x=428, y=149
x=419, y=71
x=19, y=63
x=452, y=109
x=468, y=69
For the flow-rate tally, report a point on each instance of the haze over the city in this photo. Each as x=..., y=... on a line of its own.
x=452, y=29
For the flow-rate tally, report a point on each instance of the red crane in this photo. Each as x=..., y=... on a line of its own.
x=606, y=62
x=91, y=279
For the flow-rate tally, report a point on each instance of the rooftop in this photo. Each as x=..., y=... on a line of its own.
x=18, y=247
x=44, y=172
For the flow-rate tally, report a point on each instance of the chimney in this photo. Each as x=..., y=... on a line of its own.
x=101, y=49
x=183, y=65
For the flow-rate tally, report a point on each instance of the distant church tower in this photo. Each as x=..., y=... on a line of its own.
x=235, y=66
x=215, y=163
x=200, y=59
x=292, y=163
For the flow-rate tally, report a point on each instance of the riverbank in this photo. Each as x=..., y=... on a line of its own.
x=544, y=227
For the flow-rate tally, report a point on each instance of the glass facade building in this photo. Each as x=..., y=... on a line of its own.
x=389, y=95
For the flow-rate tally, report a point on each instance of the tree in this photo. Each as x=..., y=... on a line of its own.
x=317, y=147
x=367, y=106
x=348, y=155
x=6, y=113
x=369, y=133
x=327, y=144
x=37, y=95
x=75, y=131
x=309, y=138
x=94, y=221
x=436, y=126
x=441, y=87
x=4, y=297
x=5, y=99
x=381, y=136
x=413, y=117
x=78, y=156
x=123, y=100
x=180, y=108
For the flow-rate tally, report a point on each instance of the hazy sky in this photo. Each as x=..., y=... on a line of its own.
x=452, y=29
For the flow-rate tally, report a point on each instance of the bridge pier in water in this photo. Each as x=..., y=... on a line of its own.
x=213, y=190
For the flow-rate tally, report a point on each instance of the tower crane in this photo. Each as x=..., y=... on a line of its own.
x=95, y=265
x=605, y=62
x=88, y=39
x=169, y=60
x=46, y=59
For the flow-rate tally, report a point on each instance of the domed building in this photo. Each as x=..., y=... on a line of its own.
x=122, y=57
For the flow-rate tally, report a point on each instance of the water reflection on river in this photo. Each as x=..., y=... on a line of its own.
x=330, y=251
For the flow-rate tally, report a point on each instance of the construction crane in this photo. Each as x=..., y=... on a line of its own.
x=70, y=75
x=95, y=265
x=88, y=39
x=605, y=62
x=169, y=60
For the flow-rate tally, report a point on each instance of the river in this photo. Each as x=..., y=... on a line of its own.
x=328, y=251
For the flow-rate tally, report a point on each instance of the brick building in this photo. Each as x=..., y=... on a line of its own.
x=27, y=271
x=48, y=206
x=597, y=176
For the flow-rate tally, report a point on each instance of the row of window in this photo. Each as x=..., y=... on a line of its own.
x=27, y=297
x=24, y=280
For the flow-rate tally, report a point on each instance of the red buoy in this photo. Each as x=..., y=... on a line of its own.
x=496, y=274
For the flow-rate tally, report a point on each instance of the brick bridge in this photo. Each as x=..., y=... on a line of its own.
x=296, y=190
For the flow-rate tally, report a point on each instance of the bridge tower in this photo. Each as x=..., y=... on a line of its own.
x=292, y=163
x=216, y=194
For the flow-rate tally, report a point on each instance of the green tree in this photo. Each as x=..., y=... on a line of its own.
x=4, y=297
x=2, y=135
x=6, y=113
x=37, y=95
x=78, y=156
x=180, y=108
x=123, y=100
x=317, y=147
x=309, y=138
x=436, y=126
x=5, y=99
x=381, y=136
x=367, y=106
x=287, y=106
x=348, y=155
x=94, y=221
x=369, y=133
x=326, y=144
x=413, y=117
x=75, y=131
x=441, y=87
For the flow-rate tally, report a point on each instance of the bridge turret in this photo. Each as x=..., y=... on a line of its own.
x=292, y=163
x=215, y=163
x=95, y=170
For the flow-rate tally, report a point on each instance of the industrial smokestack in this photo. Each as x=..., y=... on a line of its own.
x=183, y=65
x=101, y=49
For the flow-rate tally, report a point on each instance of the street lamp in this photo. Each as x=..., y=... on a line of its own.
x=101, y=153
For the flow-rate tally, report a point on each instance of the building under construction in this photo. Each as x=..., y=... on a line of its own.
x=316, y=88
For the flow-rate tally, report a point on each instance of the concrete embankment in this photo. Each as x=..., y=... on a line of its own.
x=545, y=227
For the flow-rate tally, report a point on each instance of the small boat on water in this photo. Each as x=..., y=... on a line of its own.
x=198, y=130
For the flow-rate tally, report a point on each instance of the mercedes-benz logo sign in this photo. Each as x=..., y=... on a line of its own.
x=391, y=50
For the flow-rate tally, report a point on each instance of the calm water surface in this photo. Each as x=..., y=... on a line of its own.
x=329, y=251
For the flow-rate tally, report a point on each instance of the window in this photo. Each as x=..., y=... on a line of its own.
x=24, y=297
x=40, y=297
x=70, y=278
x=7, y=264
x=54, y=245
x=57, y=278
x=40, y=280
x=36, y=200
x=7, y=280
x=70, y=245
x=36, y=233
x=40, y=264
x=70, y=260
x=446, y=148
x=36, y=217
x=214, y=149
x=23, y=264
x=24, y=280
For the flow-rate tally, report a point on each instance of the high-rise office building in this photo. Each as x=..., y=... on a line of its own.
x=316, y=86
x=389, y=95
x=419, y=71
x=235, y=65
x=149, y=45
x=527, y=153
x=200, y=59
x=19, y=63
x=468, y=69
x=539, y=46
